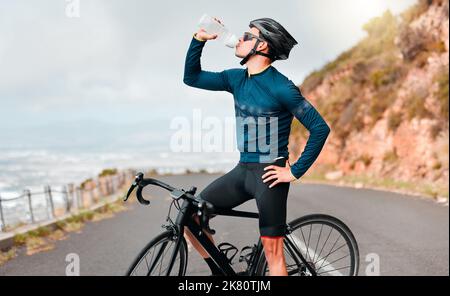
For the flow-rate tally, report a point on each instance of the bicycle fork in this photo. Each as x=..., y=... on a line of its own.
x=178, y=232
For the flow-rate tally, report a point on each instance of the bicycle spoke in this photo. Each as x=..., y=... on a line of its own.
x=174, y=264
x=318, y=256
x=292, y=267
x=307, y=253
x=324, y=260
x=162, y=258
x=144, y=258
x=146, y=262
x=309, y=237
x=173, y=256
x=154, y=264
x=335, y=261
x=315, y=250
x=331, y=253
x=325, y=252
x=151, y=259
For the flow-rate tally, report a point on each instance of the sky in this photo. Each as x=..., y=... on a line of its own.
x=121, y=62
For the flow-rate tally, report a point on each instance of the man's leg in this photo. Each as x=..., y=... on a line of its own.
x=198, y=246
x=223, y=192
x=273, y=249
x=272, y=207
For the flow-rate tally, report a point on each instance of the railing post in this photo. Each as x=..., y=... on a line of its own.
x=81, y=197
x=113, y=183
x=110, y=182
x=77, y=197
x=91, y=195
x=66, y=198
x=28, y=194
x=52, y=206
x=106, y=182
x=98, y=192
x=73, y=197
x=2, y=218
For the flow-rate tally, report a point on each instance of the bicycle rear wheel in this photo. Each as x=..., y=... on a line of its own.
x=326, y=243
x=154, y=259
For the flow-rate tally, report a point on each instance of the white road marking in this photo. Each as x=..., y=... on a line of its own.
x=326, y=266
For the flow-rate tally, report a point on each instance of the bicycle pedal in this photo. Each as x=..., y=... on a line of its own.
x=226, y=248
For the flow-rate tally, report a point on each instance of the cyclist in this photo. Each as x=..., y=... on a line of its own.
x=265, y=103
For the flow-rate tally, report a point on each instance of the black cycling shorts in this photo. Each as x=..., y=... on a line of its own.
x=243, y=183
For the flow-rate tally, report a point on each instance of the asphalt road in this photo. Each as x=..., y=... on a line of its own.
x=409, y=234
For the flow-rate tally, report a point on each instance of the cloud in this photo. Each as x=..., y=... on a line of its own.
x=122, y=54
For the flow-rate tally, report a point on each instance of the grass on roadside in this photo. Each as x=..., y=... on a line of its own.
x=7, y=255
x=422, y=188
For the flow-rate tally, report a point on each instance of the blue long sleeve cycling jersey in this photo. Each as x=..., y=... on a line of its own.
x=265, y=104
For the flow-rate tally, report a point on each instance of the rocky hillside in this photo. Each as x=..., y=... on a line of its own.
x=386, y=101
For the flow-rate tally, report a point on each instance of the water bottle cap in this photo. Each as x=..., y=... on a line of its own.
x=232, y=41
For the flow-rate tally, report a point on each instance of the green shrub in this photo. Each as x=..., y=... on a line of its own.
x=86, y=216
x=361, y=72
x=152, y=172
x=436, y=46
x=366, y=159
x=379, y=104
x=435, y=130
x=390, y=156
x=108, y=172
x=442, y=92
x=386, y=76
x=394, y=121
x=421, y=60
x=61, y=224
x=437, y=165
x=416, y=105
x=381, y=35
x=83, y=185
x=415, y=11
x=20, y=239
x=43, y=231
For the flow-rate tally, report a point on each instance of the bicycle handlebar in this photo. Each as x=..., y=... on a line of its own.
x=205, y=208
x=140, y=182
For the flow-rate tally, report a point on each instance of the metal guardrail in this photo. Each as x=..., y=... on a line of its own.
x=33, y=207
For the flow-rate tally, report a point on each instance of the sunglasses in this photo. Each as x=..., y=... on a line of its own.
x=249, y=36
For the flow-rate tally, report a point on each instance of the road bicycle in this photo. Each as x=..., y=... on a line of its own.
x=314, y=245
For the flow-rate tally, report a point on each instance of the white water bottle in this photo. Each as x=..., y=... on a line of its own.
x=211, y=26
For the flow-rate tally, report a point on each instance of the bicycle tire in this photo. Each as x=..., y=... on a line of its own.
x=167, y=236
x=332, y=222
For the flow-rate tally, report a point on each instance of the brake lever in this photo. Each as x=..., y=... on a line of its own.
x=137, y=179
x=129, y=191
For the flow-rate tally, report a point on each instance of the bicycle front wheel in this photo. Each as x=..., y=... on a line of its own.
x=154, y=259
x=326, y=244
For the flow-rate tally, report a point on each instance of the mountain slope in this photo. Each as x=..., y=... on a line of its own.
x=386, y=100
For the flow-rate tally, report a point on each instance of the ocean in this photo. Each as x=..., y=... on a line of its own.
x=68, y=153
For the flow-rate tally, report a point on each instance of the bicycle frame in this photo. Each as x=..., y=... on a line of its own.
x=184, y=219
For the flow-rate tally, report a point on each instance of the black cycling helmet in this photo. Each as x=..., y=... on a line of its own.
x=279, y=40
